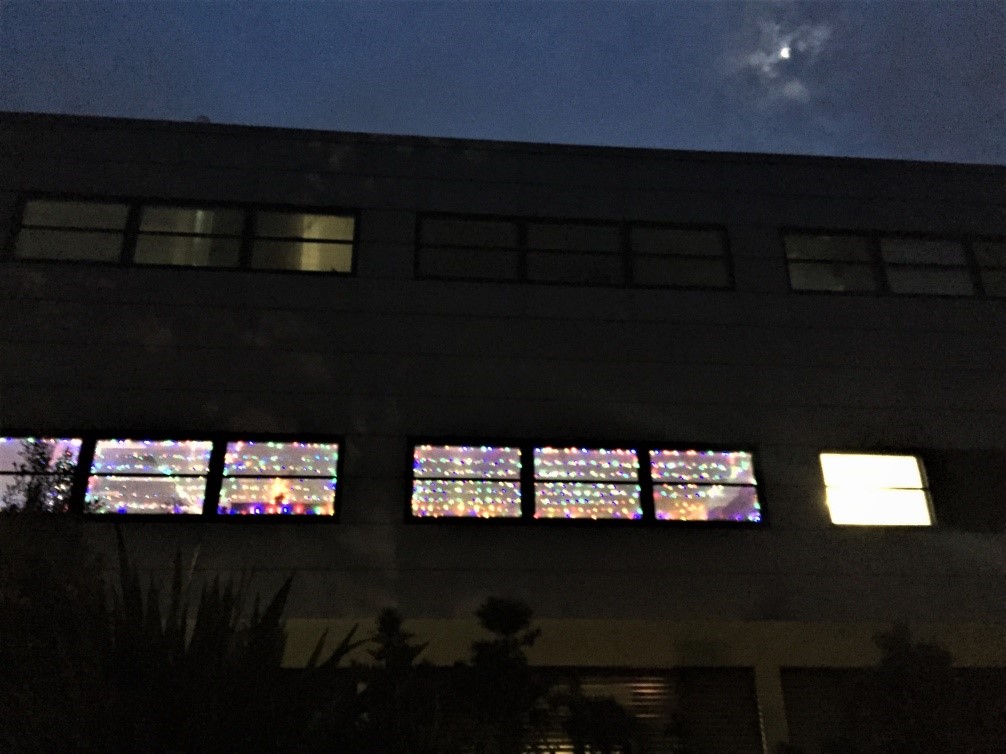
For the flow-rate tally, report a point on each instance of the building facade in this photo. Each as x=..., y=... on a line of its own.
x=703, y=412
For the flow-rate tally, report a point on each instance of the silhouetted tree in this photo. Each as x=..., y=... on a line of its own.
x=42, y=479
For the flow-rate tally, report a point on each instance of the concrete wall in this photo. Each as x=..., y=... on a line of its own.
x=381, y=356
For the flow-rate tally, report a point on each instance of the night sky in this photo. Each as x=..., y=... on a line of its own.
x=923, y=79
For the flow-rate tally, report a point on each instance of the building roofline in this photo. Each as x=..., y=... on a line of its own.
x=7, y=116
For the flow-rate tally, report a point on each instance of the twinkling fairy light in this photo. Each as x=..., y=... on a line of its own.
x=586, y=500
x=148, y=476
x=706, y=466
x=465, y=498
x=279, y=478
x=598, y=483
x=466, y=481
x=465, y=462
x=712, y=502
x=586, y=464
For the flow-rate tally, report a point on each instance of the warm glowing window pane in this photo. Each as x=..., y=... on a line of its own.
x=145, y=494
x=465, y=498
x=874, y=489
x=706, y=502
x=296, y=225
x=586, y=500
x=306, y=256
x=705, y=466
x=465, y=462
x=228, y=222
x=36, y=473
x=278, y=495
x=151, y=457
x=190, y=251
x=591, y=464
x=281, y=459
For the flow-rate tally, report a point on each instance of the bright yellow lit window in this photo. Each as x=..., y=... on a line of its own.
x=875, y=490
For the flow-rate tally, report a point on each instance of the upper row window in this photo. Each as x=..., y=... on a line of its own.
x=896, y=264
x=155, y=234
x=462, y=481
x=168, y=476
x=583, y=253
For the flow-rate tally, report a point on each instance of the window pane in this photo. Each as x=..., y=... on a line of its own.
x=994, y=282
x=469, y=263
x=570, y=237
x=36, y=473
x=699, y=502
x=922, y=251
x=75, y=214
x=870, y=470
x=68, y=244
x=586, y=500
x=932, y=280
x=603, y=269
x=701, y=466
x=465, y=498
x=281, y=458
x=878, y=507
x=145, y=494
x=165, y=457
x=990, y=253
x=297, y=225
x=465, y=462
x=302, y=255
x=835, y=248
x=192, y=220
x=677, y=241
x=192, y=251
x=469, y=233
x=278, y=496
x=586, y=463
x=818, y=276
x=707, y=273
x=875, y=489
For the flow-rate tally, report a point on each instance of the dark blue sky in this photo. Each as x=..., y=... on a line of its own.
x=922, y=79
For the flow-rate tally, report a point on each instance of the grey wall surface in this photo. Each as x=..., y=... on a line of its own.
x=379, y=357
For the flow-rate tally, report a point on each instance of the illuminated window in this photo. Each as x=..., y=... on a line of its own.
x=71, y=230
x=279, y=478
x=591, y=483
x=36, y=473
x=830, y=262
x=571, y=252
x=296, y=241
x=704, y=485
x=148, y=477
x=875, y=489
x=466, y=481
x=187, y=236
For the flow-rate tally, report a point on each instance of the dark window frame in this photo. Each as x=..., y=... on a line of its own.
x=528, y=478
x=625, y=252
x=214, y=475
x=882, y=286
x=131, y=232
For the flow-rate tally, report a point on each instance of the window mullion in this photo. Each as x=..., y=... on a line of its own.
x=214, y=478
x=81, y=474
x=130, y=234
x=645, y=485
x=527, y=479
x=247, y=238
